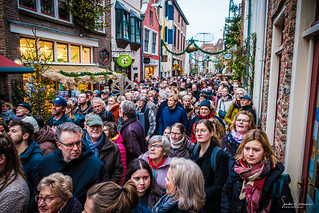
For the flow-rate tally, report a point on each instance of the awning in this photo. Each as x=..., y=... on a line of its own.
x=120, y=6
x=135, y=15
x=69, y=76
x=9, y=67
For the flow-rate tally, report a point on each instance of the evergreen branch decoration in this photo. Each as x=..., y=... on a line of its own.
x=72, y=74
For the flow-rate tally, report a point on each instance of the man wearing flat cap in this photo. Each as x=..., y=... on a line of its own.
x=58, y=112
x=103, y=148
x=23, y=110
x=246, y=105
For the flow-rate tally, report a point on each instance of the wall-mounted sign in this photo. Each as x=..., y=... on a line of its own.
x=147, y=60
x=104, y=56
x=164, y=58
x=124, y=60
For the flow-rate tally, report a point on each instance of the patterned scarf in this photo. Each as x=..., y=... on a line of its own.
x=238, y=138
x=254, y=179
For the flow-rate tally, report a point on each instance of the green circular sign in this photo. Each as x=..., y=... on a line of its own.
x=124, y=60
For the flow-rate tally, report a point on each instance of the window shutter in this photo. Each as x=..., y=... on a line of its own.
x=171, y=12
x=170, y=36
x=165, y=34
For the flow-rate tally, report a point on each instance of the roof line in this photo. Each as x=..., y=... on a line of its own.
x=180, y=11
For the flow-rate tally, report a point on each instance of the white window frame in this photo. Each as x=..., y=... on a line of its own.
x=150, y=41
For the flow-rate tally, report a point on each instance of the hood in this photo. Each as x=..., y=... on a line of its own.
x=32, y=149
x=46, y=134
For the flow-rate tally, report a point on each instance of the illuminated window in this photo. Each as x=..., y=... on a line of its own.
x=75, y=54
x=28, y=4
x=46, y=50
x=86, y=53
x=27, y=49
x=62, y=52
x=47, y=7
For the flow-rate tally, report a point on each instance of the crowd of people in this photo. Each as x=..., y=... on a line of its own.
x=179, y=144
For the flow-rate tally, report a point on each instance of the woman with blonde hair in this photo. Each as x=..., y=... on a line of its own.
x=235, y=106
x=252, y=177
x=69, y=110
x=185, y=191
x=56, y=195
x=242, y=123
x=111, y=197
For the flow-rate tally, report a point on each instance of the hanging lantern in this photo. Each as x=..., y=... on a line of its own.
x=191, y=48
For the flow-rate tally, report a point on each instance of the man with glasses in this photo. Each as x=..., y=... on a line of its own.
x=74, y=158
x=102, y=147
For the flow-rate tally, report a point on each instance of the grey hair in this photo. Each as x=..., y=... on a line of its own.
x=59, y=184
x=128, y=109
x=98, y=100
x=141, y=98
x=166, y=145
x=67, y=127
x=150, y=92
x=129, y=94
x=189, y=182
x=237, y=90
x=186, y=97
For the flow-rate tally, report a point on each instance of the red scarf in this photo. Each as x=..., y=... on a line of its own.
x=153, y=165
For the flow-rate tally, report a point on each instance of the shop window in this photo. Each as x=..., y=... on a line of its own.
x=154, y=42
x=27, y=49
x=63, y=11
x=62, y=52
x=146, y=40
x=47, y=7
x=122, y=24
x=30, y=4
x=46, y=51
x=75, y=54
x=86, y=54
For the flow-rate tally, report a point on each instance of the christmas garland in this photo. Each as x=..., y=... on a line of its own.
x=192, y=42
x=72, y=74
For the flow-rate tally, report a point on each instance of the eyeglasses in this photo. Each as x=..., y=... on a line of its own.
x=176, y=133
x=242, y=120
x=71, y=145
x=44, y=199
x=155, y=146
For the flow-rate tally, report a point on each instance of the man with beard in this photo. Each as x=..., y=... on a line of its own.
x=29, y=152
x=99, y=109
x=107, y=151
x=58, y=112
x=73, y=158
x=84, y=107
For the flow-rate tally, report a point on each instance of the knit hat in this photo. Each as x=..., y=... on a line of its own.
x=33, y=122
x=205, y=103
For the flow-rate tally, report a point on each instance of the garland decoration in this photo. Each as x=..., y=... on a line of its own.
x=192, y=46
x=72, y=74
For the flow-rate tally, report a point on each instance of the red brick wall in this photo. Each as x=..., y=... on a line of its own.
x=283, y=97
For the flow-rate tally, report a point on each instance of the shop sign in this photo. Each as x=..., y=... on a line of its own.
x=124, y=60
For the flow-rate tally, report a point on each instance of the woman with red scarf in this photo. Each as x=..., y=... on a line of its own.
x=205, y=112
x=158, y=158
x=253, y=172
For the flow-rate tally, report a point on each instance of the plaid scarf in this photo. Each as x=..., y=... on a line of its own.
x=254, y=179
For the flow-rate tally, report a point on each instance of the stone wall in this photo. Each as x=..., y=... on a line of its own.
x=283, y=90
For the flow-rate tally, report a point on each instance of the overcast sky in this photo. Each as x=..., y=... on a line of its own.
x=205, y=16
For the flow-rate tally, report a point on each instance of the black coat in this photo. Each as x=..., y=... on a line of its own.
x=233, y=186
x=214, y=181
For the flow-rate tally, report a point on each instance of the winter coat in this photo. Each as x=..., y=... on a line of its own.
x=51, y=122
x=140, y=209
x=15, y=196
x=160, y=109
x=107, y=116
x=167, y=205
x=161, y=172
x=116, y=112
x=119, y=142
x=147, y=118
x=233, y=186
x=7, y=116
x=85, y=171
x=249, y=108
x=229, y=144
x=30, y=159
x=185, y=151
x=170, y=117
x=109, y=154
x=46, y=140
x=133, y=139
x=214, y=181
x=232, y=111
x=73, y=206
x=224, y=104
x=151, y=197
x=80, y=114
